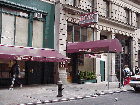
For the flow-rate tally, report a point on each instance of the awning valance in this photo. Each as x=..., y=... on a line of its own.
x=30, y=53
x=99, y=46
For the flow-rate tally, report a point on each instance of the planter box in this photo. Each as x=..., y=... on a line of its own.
x=92, y=80
x=83, y=81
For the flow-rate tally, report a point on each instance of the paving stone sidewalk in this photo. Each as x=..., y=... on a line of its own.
x=48, y=93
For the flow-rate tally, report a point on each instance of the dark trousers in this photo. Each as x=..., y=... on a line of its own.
x=16, y=80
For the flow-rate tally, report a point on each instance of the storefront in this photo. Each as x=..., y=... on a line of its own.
x=27, y=28
x=77, y=33
x=126, y=43
x=36, y=64
x=90, y=47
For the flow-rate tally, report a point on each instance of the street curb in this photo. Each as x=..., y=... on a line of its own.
x=75, y=98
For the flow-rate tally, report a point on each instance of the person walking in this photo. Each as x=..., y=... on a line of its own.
x=15, y=74
x=127, y=75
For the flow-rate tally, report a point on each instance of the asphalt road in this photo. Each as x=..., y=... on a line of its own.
x=124, y=98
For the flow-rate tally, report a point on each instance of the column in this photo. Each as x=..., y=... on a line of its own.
x=60, y=40
x=112, y=77
x=134, y=53
x=97, y=60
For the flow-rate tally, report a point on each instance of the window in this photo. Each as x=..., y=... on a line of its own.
x=21, y=36
x=14, y=27
x=137, y=20
x=106, y=8
x=102, y=37
x=37, y=38
x=83, y=34
x=73, y=2
x=90, y=34
x=69, y=32
x=6, y=66
x=76, y=33
x=7, y=35
x=127, y=15
x=92, y=5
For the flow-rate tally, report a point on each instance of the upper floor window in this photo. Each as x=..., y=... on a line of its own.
x=106, y=8
x=127, y=15
x=75, y=33
x=73, y=2
x=92, y=5
x=137, y=20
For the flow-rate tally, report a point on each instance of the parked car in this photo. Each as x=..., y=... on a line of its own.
x=135, y=82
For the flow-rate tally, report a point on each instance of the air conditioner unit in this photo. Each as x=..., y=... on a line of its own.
x=38, y=15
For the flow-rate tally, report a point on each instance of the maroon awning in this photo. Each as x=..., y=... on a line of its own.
x=99, y=46
x=29, y=53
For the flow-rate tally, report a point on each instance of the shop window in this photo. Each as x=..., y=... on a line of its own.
x=83, y=34
x=21, y=36
x=76, y=33
x=37, y=38
x=6, y=66
x=69, y=32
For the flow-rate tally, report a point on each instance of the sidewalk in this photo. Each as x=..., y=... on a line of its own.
x=48, y=93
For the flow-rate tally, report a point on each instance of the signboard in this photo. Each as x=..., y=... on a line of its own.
x=30, y=58
x=88, y=19
x=83, y=50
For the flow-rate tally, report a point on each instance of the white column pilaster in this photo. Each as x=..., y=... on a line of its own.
x=97, y=61
x=60, y=40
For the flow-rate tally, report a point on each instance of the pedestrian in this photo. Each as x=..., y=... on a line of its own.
x=15, y=74
x=127, y=75
x=136, y=70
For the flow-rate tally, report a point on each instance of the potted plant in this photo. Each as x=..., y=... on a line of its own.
x=87, y=77
x=91, y=77
x=82, y=77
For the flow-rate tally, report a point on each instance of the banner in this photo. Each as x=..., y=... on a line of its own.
x=93, y=55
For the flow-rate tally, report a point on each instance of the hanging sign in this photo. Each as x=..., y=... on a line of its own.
x=88, y=19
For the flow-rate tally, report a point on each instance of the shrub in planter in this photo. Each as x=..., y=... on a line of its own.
x=82, y=75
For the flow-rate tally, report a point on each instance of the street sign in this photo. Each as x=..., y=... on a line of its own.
x=88, y=19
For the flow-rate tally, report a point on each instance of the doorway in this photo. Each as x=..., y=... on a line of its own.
x=34, y=72
x=102, y=70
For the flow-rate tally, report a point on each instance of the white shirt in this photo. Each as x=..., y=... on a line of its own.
x=127, y=70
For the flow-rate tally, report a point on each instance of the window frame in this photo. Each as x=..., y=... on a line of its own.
x=73, y=24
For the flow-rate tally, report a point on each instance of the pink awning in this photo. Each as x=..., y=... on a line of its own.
x=99, y=46
x=29, y=53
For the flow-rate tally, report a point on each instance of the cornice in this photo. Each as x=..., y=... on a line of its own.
x=117, y=22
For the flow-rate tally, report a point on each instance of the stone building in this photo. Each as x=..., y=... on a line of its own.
x=27, y=35
x=116, y=19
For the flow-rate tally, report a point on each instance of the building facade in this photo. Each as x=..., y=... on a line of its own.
x=27, y=23
x=116, y=19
